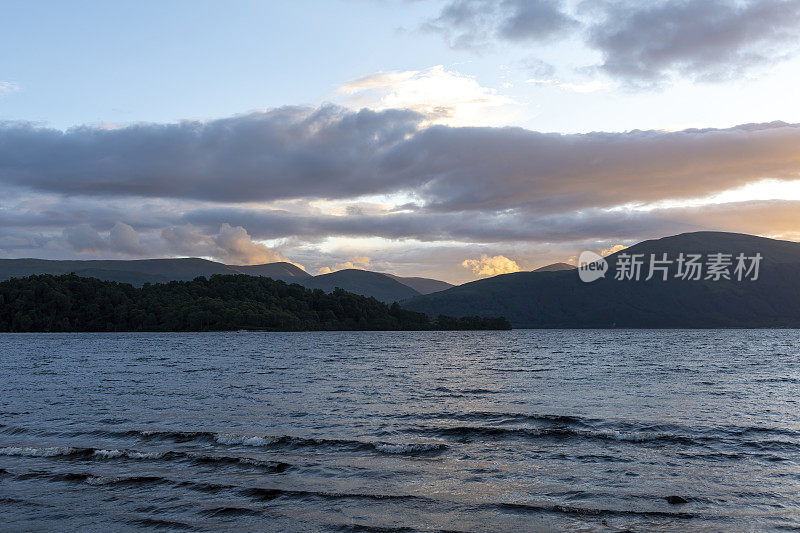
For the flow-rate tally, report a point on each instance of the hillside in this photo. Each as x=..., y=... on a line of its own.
x=140, y=271
x=385, y=287
x=364, y=282
x=560, y=299
x=422, y=285
x=555, y=267
x=225, y=302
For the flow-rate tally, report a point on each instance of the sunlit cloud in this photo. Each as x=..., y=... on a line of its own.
x=491, y=266
x=232, y=245
x=612, y=250
x=358, y=262
x=444, y=96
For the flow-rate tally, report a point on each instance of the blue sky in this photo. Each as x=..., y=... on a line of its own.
x=76, y=63
x=133, y=128
x=85, y=62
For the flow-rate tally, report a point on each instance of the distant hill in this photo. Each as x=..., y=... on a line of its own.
x=138, y=272
x=422, y=285
x=385, y=287
x=281, y=270
x=561, y=300
x=363, y=282
x=555, y=267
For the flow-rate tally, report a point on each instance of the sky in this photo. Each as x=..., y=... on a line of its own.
x=453, y=139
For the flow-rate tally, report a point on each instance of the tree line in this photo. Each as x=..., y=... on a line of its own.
x=70, y=303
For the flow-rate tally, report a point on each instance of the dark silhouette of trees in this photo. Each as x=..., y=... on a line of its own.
x=221, y=303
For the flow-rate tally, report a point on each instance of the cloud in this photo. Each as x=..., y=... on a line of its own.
x=421, y=243
x=472, y=24
x=120, y=239
x=612, y=250
x=229, y=190
x=644, y=44
x=585, y=87
x=491, y=266
x=231, y=245
x=235, y=246
x=124, y=238
x=83, y=238
x=443, y=96
x=326, y=152
x=647, y=42
x=359, y=262
x=338, y=154
x=7, y=87
x=500, y=169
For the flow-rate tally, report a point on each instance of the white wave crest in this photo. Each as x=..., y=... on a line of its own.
x=407, y=448
x=98, y=480
x=130, y=454
x=109, y=454
x=244, y=440
x=29, y=451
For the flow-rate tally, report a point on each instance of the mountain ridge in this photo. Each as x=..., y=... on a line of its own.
x=561, y=300
x=385, y=287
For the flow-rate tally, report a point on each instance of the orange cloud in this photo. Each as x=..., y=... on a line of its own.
x=491, y=266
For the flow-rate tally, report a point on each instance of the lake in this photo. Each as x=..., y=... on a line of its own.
x=401, y=431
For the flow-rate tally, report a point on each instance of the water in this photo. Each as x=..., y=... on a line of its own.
x=457, y=431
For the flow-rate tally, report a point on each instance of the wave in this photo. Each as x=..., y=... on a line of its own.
x=153, y=523
x=409, y=448
x=358, y=528
x=53, y=451
x=260, y=494
x=11, y=430
x=465, y=434
x=477, y=426
x=355, y=445
x=504, y=418
x=219, y=512
x=91, y=479
x=171, y=455
x=278, y=441
x=269, y=494
x=627, y=428
x=503, y=425
x=539, y=423
x=588, y=511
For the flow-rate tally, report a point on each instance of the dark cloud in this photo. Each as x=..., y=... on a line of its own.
x=217, y=189
x=474, y=23
x=334, y=154
x=643, y=43
x=84, y=238
x=770, y=217
x=512, y=168
x=289, y=152
x=535, y=20
x=646, y=42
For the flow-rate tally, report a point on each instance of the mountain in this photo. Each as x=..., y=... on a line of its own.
x=384, y=287
x=138, y=272
x=560, y=299
x=281, y=270
x=422, y=285
x=555, y=267
x=363, y=282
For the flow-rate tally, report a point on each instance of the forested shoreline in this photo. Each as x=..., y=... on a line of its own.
x=70, y=303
